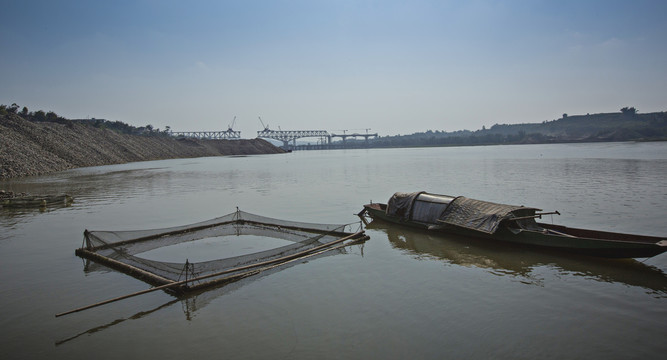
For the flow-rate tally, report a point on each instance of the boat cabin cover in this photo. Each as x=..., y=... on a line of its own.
x=460, y=211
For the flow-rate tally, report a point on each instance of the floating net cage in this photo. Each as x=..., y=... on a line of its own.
x=123, y=250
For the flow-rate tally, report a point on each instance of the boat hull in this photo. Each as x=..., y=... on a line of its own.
x=556, y=237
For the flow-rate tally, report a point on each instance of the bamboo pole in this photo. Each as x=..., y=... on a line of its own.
x=536, y=216
x=560, y=233
x=150, y=278
x=240, y=276
x=279, y=261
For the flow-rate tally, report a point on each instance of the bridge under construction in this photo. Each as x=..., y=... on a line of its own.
x=229, y=134
x=325, y=139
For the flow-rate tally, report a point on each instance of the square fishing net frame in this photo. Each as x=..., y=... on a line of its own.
x=121, y=250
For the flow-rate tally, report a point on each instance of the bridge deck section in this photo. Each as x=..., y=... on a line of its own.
x=228, y=134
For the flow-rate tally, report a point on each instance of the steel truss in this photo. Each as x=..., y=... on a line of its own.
x=228, y=134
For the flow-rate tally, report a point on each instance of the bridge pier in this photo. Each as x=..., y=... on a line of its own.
x=287, y=136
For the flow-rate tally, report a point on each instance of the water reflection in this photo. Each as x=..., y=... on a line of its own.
x=194, y=301
x=99, y=328
x=98, y=187
x=11, y=217
x=190, y=303
x=505, y=259
x=93, y=185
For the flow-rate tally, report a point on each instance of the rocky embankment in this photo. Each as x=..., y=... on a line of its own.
x=30, y=148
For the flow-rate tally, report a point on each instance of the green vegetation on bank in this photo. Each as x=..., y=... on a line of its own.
x=50, y=116
x=626, y=125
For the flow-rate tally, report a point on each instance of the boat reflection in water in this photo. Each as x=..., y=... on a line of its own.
x=503, y=259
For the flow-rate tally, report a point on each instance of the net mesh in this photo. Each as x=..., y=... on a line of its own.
x=127, y=246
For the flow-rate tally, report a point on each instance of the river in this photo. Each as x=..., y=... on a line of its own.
x=402, y=294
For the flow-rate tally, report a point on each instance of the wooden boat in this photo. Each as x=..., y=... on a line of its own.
x=516, y=224
x=33, y=201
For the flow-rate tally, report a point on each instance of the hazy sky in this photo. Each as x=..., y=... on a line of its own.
x=396, y=67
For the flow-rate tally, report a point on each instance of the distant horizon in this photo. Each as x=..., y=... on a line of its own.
x=358, y=131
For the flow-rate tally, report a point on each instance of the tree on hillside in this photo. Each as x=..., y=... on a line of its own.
x=51, y=116
x=629, y=110
x=39, y=115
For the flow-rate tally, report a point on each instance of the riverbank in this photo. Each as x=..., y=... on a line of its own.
x=36, y=148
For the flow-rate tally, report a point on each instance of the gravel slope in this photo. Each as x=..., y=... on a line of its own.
x=28, y=148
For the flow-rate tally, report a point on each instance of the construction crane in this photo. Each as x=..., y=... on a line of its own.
x=266, y=127
x=230, y=128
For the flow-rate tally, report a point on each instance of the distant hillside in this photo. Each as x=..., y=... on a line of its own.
x=622, y=126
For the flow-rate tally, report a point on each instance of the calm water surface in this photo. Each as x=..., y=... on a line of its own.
x=403, y=294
